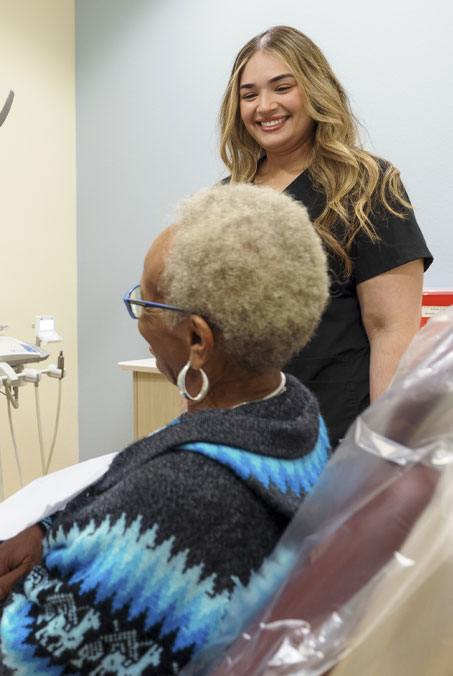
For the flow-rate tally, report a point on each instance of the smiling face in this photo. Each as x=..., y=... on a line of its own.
x=272, y=104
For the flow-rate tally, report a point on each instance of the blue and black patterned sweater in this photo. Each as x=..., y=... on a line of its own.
x=139, y=570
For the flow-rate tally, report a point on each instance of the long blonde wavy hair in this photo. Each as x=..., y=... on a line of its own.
x=352, y=179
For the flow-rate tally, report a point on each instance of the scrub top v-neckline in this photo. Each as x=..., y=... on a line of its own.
x=286, y=189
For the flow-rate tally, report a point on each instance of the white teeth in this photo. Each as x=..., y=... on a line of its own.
x=272, y=123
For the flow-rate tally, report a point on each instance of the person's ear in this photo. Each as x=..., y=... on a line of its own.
x=201, y=341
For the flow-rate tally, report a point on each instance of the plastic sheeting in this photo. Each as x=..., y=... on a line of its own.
x=370, y=550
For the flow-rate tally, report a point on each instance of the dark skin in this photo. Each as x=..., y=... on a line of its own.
x=195, y=341
x=18, y=555
x=191, y=340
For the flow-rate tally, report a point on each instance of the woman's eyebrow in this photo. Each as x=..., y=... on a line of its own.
x=276, y=78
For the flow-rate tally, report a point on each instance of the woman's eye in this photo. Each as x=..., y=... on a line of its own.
x=283, y=88
x=248, y=97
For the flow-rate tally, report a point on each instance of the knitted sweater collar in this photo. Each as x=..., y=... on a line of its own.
x=285, y=427
x=278, y=447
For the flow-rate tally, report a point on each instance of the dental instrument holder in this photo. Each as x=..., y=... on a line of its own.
x=45, y=330
x=14, y=374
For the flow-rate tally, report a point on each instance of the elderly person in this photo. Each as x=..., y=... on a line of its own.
x=136, y=573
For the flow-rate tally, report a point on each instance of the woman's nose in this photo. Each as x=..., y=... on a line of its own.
x=266, y=103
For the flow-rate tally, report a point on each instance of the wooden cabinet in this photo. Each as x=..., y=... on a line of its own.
x=156, y=400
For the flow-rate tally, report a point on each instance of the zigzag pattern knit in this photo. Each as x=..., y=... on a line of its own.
x=139, y=571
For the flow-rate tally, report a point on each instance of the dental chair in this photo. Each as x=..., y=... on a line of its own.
x=369, y=588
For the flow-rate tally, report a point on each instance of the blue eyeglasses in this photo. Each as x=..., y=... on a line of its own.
x=135, y=303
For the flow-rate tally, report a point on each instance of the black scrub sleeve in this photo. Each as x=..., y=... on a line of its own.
x=401, y=241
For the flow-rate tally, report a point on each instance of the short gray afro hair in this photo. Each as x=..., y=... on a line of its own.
x=248, y=260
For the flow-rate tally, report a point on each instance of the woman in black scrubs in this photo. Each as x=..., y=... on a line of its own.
x=286, y=123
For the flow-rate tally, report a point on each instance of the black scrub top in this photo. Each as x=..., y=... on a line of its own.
x=335, y=364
